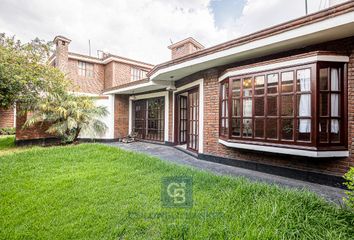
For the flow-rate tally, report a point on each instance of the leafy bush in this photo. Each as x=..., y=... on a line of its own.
x=7, y=131
x=349, y=176
x=68, y=115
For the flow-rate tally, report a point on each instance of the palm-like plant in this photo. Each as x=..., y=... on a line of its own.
x=68, y=115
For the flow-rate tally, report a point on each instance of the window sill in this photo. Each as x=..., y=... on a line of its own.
x=285, y=150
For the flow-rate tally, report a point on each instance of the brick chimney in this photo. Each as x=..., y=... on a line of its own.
x=61, y=52
x=185, y=47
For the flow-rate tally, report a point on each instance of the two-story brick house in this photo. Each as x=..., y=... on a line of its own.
x=280, y=100
x=91, y=76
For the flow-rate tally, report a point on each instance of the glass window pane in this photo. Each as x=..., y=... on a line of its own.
x=272, y=81
x=224, y=90
x=335, y=79
x=335, y=107
x=287, y=104
x=303, y=81
x=287, y=80
x=247, y=127
x=224, y=109
x=247, y=87
x=335, y=130
x=259, y=106
x=236, y=88
x=259, y=85
x=272, y=105
x=236, y=127
x=287, y=129
x=324, y=79
x=272, y=128
x=259, y=128
x=324, y=104
x=304, y=129
x=247, y=107
x=304, y=105
x=323, y=130
x=236, y=107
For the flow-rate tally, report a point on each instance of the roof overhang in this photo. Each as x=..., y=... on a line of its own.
x=108, y=60
x=142, y=88
x=336, y=27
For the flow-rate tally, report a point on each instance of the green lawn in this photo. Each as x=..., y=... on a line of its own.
x=6, y=142
x=92, y=191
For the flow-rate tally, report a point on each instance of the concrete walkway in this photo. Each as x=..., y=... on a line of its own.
x=174, y=155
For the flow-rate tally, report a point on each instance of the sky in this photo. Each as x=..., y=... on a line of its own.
x=142, y=29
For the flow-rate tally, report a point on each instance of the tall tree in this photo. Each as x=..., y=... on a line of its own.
x=25, y=73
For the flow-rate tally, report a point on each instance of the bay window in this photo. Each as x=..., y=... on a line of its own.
x=300, y=107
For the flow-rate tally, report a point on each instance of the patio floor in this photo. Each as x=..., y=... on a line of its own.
x=174, y=155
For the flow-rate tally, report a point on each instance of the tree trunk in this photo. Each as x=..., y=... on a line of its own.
x=77, y=134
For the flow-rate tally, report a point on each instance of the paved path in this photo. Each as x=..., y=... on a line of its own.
x=174, y=155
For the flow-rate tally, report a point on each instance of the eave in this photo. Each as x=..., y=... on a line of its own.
x=331, y=24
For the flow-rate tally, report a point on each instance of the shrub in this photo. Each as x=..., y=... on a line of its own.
x=7, y=131
x=349, y=176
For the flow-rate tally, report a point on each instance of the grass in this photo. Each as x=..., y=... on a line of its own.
x=92, y=191
x=7, y=142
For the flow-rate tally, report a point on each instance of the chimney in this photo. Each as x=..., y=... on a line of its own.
x=185, y=47
x=61, y=52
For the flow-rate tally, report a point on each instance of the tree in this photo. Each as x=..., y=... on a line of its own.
x=68, y=115
x=25, y=73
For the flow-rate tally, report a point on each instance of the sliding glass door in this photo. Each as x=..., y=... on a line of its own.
x=149, y=118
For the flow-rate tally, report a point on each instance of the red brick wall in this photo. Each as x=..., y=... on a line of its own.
x=183, y=50
x=117, y=74
x=93, y=84
x=121, y=116
x=121, y=74
x=328, y=166
x=108, y=75
x=7, y=118
x=35, y=132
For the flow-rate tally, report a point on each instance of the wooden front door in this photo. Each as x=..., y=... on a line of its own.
x=193, y=120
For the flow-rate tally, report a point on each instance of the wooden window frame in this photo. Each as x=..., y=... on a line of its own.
x=295, y=142
x=137, y=74
x=85, y=69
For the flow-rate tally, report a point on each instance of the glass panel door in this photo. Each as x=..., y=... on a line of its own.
x=193, y=120
x=183, y=119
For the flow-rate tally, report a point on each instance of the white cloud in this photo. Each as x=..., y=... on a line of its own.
x=260, y=14
x=139, y=29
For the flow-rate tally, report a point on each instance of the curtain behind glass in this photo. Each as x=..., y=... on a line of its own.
x=334, y=100
x=305, y=100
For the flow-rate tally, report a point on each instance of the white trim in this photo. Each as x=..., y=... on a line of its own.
x=130, y=121
x=85, y=94
x=130, y=62
x=271, y=41
x=200, y=83
x=85, y=59
x=289, y=63
x=288, y=151
x=108, y=60
x=130, y=88
x=147, y=96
